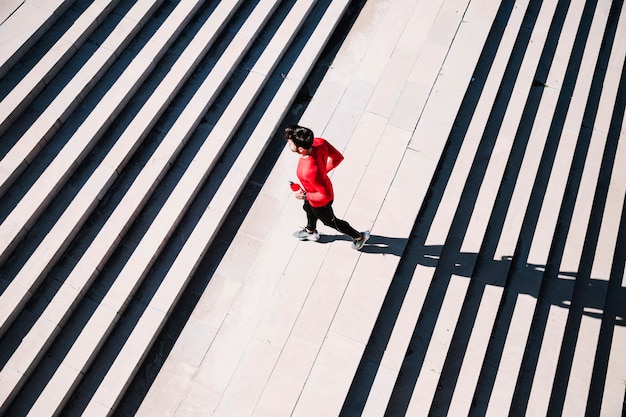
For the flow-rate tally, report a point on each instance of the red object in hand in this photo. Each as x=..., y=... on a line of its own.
x=294, y=186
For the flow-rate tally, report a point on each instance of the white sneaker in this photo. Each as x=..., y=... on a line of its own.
x=358, y=244
x=304, y=234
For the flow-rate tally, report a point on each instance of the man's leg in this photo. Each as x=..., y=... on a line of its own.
x=309, y=232
x=327, y=216
x=311, y=218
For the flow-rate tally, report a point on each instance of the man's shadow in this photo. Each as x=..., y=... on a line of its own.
x=583, y=296
x=558, y=290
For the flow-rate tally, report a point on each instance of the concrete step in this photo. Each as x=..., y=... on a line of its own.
x=56, y=114
x=31, y=274
x=23, y=26
x=29, y=86
x=22, y=286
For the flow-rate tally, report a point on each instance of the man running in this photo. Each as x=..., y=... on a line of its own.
x=317, y=158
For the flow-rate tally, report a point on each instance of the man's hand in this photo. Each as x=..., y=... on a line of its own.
x=300, y=194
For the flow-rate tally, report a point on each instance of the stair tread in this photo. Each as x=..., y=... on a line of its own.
x=24, y=26
x=29, y=144
x=88, y=196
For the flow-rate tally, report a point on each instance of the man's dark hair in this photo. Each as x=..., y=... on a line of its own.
x=301, y=136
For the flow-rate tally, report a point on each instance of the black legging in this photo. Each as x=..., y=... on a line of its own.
x=327, y=216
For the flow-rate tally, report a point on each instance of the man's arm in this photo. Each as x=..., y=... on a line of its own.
x=334, y=157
